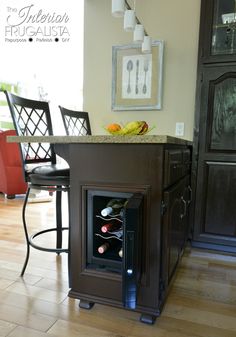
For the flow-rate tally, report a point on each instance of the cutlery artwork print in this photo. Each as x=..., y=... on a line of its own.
x=137, y=77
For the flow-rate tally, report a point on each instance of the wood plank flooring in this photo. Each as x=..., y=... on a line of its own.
x=202, y=301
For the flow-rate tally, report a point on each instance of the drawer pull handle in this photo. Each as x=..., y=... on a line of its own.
x=185, y=208
x=190, y=194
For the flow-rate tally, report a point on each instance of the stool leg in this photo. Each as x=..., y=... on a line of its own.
x=69, y=271
x=58, y=218
x=26, y=232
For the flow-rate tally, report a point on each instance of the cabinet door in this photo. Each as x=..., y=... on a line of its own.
x=218, y=31
x=186, y=200
x=215, y=215
x=172, y=228
x=132, y=250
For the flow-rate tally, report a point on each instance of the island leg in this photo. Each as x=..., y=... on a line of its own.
x=148, y=319
x=86, y=304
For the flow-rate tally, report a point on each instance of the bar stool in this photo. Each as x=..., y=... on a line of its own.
x=41, y=172
x=76, y=122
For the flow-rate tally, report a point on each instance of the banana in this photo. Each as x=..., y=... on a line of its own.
x=131, y=128
x=144, y=128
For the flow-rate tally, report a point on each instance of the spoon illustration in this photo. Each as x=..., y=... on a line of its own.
x=137, y=70
x=129, y=69
x=145, y=68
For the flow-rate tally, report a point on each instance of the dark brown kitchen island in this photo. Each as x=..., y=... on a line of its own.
x=152, y=174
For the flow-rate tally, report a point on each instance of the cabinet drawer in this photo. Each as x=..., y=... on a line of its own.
x=173, y=166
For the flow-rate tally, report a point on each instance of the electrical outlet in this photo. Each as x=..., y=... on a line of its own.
x=179, y=129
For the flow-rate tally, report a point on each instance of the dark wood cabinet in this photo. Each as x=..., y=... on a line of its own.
x=153, y=177
x=214, y=160
x=217, y=42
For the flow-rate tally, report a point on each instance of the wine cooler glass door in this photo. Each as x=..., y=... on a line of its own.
x=131, y=266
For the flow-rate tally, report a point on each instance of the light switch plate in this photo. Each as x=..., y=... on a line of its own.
x=179, y=129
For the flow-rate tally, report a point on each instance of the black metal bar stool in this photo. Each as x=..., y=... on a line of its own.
x=32, y=118
x=76, y=122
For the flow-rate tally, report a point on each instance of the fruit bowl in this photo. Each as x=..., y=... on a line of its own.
x=131, y=128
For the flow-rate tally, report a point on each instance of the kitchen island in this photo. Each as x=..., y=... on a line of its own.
x=152, y=175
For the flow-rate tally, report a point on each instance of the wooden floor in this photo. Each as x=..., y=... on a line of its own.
x=202, y=301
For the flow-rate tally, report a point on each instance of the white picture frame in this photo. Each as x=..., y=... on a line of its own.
x=137, y=77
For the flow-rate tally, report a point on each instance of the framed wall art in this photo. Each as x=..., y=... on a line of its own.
x=137, y=77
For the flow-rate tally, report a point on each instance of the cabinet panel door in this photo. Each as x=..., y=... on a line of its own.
x=217, y=122
x=173, y=227
x=219, y=214
x=221, y=134
x=217, y=31
x=214, y=221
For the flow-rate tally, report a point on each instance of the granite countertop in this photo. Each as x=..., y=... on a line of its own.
x=145, y=139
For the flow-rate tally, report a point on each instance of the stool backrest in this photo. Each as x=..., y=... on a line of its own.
x=76, y=122
x=32, y=118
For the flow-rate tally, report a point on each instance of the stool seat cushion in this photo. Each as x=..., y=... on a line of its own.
x=47, y=175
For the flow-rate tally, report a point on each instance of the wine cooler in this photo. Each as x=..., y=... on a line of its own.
x=113, y=240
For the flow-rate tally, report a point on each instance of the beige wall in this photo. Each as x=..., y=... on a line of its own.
x=174, y=21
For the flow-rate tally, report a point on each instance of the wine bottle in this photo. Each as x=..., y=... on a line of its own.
x=113, y=207
x=110, y=244
x=110, y=227
x=103, y=248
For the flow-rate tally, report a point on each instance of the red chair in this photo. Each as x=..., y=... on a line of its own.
x=11, y=172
